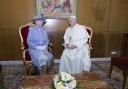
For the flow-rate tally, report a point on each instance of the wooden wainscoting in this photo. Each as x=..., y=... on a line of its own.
x=102, y=42
x=56, y=37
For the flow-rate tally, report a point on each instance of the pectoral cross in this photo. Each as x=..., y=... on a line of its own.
x=70, y=39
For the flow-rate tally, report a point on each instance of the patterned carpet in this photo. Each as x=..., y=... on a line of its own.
x=13, y=75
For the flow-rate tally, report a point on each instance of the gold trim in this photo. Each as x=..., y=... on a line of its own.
x=22, y=46
x=20, y=28
x=91, y=33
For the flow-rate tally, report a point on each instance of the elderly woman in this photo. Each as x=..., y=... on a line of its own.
x=38, y=44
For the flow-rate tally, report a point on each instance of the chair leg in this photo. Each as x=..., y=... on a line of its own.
x=25, y=70
x=1, y=77
x=110, y=71
x=124, y=80
x=1, y=80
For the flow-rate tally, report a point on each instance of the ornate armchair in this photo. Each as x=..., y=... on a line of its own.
x=23, y=31
x=29, y=68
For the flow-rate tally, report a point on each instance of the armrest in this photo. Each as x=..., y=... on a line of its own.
x=50, y=47
x=90, y=34
x=22, y=46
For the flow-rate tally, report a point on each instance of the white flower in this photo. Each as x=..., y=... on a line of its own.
x=73, y=83
x=66, y=77
x=56, y=78
x=64, y=81
x=59, y=85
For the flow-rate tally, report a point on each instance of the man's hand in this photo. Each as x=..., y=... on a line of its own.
x=70, y=46
x=73, y=47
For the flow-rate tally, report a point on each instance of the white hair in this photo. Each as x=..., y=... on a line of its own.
x=73, y=17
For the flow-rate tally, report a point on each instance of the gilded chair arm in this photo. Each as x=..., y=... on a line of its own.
x=90, y=45
x=22, y=46
x=50, y=44
x=50, y=47
x=23, y=53
x=91, y=33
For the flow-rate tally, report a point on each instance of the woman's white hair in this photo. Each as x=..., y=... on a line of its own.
x=73, y=17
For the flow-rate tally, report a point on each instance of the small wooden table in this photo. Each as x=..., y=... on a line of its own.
x=89, y=80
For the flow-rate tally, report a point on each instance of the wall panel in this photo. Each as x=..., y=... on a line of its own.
x=118, y=15
x=94, y=13
x=9, y=44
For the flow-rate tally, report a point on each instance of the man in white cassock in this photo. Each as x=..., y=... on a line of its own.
x=75, y=57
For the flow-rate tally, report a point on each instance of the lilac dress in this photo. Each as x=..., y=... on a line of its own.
x=37, y=36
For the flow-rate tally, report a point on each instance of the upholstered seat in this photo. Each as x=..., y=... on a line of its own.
x=122, y=64
x=24, y=33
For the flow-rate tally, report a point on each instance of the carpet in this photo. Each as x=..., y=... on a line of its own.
x=13, y=75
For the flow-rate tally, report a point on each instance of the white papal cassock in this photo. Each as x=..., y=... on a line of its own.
x=76, y=60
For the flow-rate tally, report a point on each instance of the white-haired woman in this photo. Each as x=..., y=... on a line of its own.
x=38, y=44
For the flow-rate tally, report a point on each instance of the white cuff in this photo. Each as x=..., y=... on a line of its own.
x=41, y=47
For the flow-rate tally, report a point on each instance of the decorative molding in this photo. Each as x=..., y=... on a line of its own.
x=11, y=62
x=55, y=61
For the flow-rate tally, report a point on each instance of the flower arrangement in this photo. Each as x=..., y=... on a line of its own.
x=65, y=81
